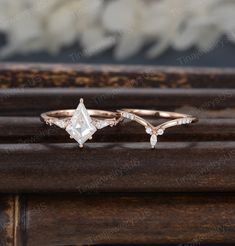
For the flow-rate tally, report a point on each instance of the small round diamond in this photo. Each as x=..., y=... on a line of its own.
x=189, y=121
x=132, y=117
x=160, y=132
x=97, y=124
x=125, y=114
x=148, y=130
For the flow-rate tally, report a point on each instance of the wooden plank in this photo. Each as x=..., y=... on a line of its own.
x=123, y=167
x=32, y=130
x=61, y=75
x=7, y=220
x=111, y=219
x=33, y=101
x=33, y=220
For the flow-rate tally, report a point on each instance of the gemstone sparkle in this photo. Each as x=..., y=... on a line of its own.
x=148, y=130
x=153, y=140
x=160, y=132
x=80, y=126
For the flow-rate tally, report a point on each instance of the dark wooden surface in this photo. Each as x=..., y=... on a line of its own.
x=32, y=130
x=33, y=101
x=120, y=218
x=7, y=220
x=118, y=167
x=61, y=75
x=62, y=195
x=45, y=220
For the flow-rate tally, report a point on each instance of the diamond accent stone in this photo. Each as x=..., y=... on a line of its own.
x=153, y=140
x=160, y=131
x=132, y=117
x=80, y=126
x=189, y=121
x=184, y=121
x=60, y=123
x=100, y=124
x=128, y=115
x=124, y=114
x=148, y=130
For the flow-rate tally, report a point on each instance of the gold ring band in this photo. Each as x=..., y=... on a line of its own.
x=176, y=119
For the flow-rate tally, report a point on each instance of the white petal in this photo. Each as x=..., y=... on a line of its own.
x=158, y=48
x=209, y=39
x=25, y=29
x=128, y=45
x=185, y=39
x=60, y=28
x=87, y=13
x=119, y=15
x=95, y=41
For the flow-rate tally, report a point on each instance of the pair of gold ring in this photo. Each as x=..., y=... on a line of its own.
x=81, y=124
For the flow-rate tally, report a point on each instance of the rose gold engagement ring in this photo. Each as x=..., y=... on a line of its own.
x=81, y=123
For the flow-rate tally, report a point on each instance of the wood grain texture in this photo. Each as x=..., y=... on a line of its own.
x=7, y=220
x=102, y=219
x=118, y=167
x=32, y=130
x=72, y=219
x=61, y=75
x=30, y=101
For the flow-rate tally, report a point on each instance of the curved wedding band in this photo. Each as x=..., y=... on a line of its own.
x=176, y=120
x=81, y=123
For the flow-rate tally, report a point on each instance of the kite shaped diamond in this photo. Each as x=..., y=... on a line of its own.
x=80, y=126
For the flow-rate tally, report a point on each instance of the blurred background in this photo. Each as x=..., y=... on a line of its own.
x=155, y=32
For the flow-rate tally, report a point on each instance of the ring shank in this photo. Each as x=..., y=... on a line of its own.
x=68, y=113
x=176, y=118
x=156, y=113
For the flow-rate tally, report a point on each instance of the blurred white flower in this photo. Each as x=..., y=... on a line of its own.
x=124, y=19
x=126, y=25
